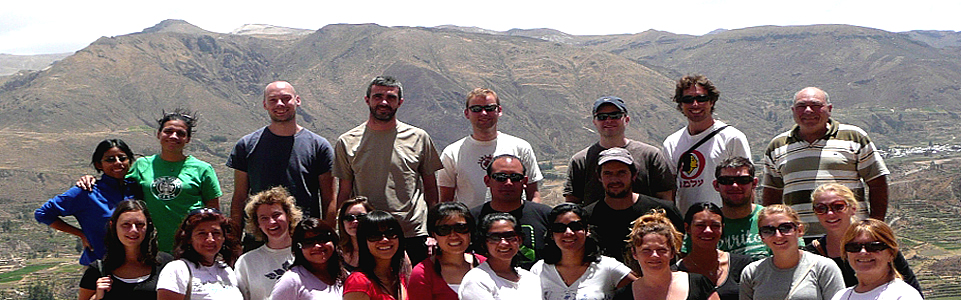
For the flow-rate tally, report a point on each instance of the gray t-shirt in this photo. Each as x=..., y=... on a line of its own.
x=294, y=162
x=816, y=278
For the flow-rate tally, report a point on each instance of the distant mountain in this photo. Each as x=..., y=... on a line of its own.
x=264, y=29
x=10, y=63
x=936, y=38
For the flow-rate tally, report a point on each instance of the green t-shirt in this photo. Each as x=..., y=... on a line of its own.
x=171, y=190
x=741, y=237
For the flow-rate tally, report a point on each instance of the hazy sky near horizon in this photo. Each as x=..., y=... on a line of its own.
x=55, y=26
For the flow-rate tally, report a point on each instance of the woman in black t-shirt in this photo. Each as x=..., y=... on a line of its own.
x=132, y=263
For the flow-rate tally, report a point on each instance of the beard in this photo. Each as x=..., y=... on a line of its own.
x=383, y=116
x=737, y=202
x=621, y=194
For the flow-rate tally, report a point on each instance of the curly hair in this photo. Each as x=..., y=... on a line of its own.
x=688, y=81
x=276, y=195
x=182, y=239
x=654, y=222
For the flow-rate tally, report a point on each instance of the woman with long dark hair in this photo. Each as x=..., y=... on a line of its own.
x=439, y=276
x=704, y=222
x=132, y=264
x=869, y=248
x=655, y=243
x=500, y=277
x=836, y=209
x=92, y=207
x=381, y=254
x=573, y=267
x=206, y=247
x=349, y=217
x=316, y=272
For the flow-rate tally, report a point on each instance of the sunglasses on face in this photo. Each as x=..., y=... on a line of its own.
x=509, y=236
x=612, y=116
x=487, y=108
x=729, y=180
x=375, y=237
x=502, y=177
x=869, y=247
x=785, y=229
x=698, y=98
x=836, y=207
x=445, y=230
x=113, y=159
x=561, y=227
x=353, y=217
x=314, y=242
x=205, y=210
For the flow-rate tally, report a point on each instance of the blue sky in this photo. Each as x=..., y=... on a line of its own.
x=45, y=26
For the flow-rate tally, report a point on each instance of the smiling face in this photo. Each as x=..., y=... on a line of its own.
x=131, y=228
x=351, y=226
x=811, y=110
x=780, y=242
x=114, y=163
x=207, y=238
x=736, y=194
x=870, y=263
x=384, y=102
x=507, y=190
x=696, y=111
x=654, y=253
x=173, y=136
x=455, y=242
x=281, y=101
x=317, y=251
x=616, y=178
x=483, y=119
x=569, y=240
x=502, y=249
x=834, y=221
x=384, y=248
x=272, y=221
x=706, y=229
x=611, y=127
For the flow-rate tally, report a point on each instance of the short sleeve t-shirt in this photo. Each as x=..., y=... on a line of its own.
x=598, y=282
x=533, y=218
x=613, y=226
x=386, y=167
x=695, y=180
x=216, y=282
x=171, y=190
x=258, y=270
x=465, y=165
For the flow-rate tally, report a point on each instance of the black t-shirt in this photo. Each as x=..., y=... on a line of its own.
x=534, y=223
x=730, y=289
x=613, y=226
x=146, y=289
x=699, y=288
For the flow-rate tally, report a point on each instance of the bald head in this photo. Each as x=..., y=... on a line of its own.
x=813, y=92
x=279, y=85
x=281, y=102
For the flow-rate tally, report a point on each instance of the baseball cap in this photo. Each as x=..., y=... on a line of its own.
x=610, y=100
x=615, y=154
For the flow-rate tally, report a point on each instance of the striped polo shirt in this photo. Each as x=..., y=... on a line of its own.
x=845, y=155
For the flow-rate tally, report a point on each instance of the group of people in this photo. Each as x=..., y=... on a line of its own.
x=381, y=215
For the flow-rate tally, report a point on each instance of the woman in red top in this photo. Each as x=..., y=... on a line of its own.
x=438, y=277
x=381, y=251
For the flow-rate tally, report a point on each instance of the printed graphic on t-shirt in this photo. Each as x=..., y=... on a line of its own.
x=275, y=274
x=484, y=161
x=691, y=167
x=166, y=187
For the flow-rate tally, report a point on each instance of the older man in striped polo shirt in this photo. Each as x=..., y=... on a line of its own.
x=821, y=150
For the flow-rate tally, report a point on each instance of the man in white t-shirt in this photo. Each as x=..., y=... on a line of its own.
x=465, y=161
x=692, y=160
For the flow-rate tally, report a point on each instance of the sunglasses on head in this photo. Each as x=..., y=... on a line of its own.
x=561, y=227
x=836, y=207
x=353, y=217
x=445, y=230
x=611, y=115
x=729, y=180
x=785, y=229
x=502, y=177
x=204, y=210
x=487, y=108
x=869, y=247
x=509, y=236
x=374, y=237
x=112, y=159
x=698, y=98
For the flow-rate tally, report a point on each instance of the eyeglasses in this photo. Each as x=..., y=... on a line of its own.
x=479, y=108
x=869, y=247
x=204, y=210
x=729, y=180
x=574, y=226
x=785, y=229
x=502, y=177
x=509, y=236
x=612, y=115
x=374, y=237
x=815, y=106
x=444, y=230
x=353, y=217
x=113, y=159
x=698, y=98
x=836, y=207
